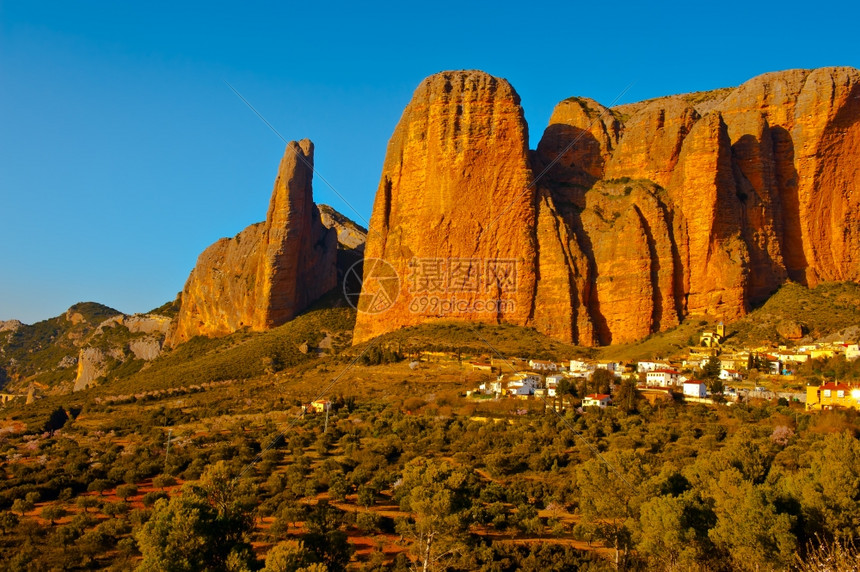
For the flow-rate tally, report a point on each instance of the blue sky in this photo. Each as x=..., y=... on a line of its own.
x=123, y=153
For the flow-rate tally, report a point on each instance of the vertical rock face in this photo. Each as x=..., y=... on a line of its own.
x=455, y=196
x=581, y=137
x=714, y=256
x=651, y=143
x=696, y=204
x=93, y=363
x=813, y=119
x=270, y=271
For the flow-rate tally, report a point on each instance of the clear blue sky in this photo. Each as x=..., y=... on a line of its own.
x=123, y=154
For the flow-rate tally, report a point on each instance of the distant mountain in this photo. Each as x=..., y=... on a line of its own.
x=75, y=349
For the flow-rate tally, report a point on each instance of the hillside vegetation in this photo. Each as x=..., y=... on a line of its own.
x=477, y=338
x=36, y=351
x=240, y=355
x=826, y=309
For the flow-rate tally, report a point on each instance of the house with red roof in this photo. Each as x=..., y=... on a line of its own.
x=596, y=400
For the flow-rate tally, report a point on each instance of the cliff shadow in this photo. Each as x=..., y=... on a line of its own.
x=572, y=217
x=787, y=181
x=654, y=272
x=757, y=190
x=569, y=161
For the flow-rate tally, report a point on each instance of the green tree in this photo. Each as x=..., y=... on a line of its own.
x=366, y=496
x=206, y=527
x=715, y=385
x=22, y=505
x=163, y=481
x=98, y=486
x=606, y=499
x=437, y=495
x=8, y=521
x=673, y=531
x=53, y=513
x=126, y=491
x=832, y=487
x=601, y=381
x=115, y=509
x=56, y=420
x=711, y=369
x=326, y=538
x=289, y=556
x=626, y=396
x=749, y=528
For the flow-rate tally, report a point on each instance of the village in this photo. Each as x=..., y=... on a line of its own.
x=732, y=376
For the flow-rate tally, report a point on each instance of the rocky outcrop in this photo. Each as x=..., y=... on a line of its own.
x=350, y=235
x=454, y=213
x=270, y=271
x=650, y=146
x=813, y=173
x=697, y=204
x=138, y=323
x=146, y=348
x=94, y=363
x=10, y=325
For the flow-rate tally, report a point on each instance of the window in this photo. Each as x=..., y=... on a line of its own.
x=826, y=393
x=840, y=393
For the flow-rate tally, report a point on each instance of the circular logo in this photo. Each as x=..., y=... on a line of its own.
x=371, y=286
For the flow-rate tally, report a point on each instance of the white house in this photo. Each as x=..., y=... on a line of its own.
x=646, y=366
x=663, y=377
x=596, y=400
x=695, y=389
x=551, y=383
x=543, y=365
x=852, y=352
x=521, y=383
x=730, y=375
x=579, y=365
x=608, y=366
x=775, y=367
x=492, y=387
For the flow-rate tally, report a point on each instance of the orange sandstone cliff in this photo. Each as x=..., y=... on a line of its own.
x=624, y=221
x=454, y=214
x=269, y=272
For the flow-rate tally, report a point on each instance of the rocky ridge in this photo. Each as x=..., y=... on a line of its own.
x=698, y=204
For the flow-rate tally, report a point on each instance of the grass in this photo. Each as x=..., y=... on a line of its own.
x=826, y=309
x=479, y=339
x=661, y=344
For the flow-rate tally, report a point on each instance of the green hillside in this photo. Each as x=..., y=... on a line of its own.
x=34, y=351
x=240, y=355
x=477, y=338
x=826, y=309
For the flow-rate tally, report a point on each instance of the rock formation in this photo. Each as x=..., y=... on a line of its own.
x=269, y=272
x=454, y=213
x=350, y=235
x=94, y=363
x=10, y=325
x=637, y=216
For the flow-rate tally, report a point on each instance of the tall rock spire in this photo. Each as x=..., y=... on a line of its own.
x=269, y=272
